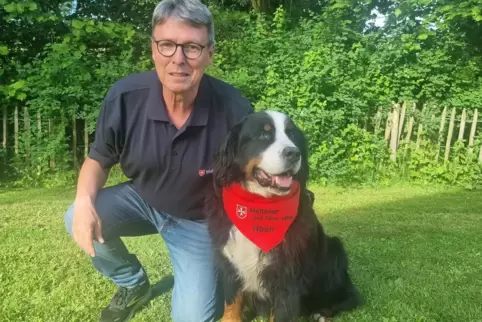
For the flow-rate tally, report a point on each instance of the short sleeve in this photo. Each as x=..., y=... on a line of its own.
x=106, y=147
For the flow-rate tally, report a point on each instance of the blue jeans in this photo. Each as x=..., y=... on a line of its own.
x=123, y=212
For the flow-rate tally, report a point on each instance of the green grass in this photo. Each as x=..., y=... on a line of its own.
x=416, y=254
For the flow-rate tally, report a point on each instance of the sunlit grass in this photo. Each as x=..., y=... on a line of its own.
x=415, y=253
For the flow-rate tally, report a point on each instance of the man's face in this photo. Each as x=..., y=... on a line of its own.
x=177, y=72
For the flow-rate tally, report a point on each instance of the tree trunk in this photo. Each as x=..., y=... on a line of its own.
x=26, y=121
x=259, y=5
x=39, y=137
x=4, y=136
x=52, y=157
x=16, y=129
x=86, y=140
x=74, y=141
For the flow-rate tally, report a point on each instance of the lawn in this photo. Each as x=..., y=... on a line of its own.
x=416, y=254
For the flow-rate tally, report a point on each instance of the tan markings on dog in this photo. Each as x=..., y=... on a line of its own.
x=271, y=317
x=248, y=169
x=232, y=312
x=268, y=127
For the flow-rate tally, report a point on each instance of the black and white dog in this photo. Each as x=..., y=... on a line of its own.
x=271, y=249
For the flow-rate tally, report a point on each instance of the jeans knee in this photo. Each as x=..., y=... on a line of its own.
x=196, y=311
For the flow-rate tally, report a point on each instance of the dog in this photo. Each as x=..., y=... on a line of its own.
x=272, y=251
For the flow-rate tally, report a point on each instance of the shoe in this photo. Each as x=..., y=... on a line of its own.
x=125, y=303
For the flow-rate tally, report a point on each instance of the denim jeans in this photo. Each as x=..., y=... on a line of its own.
x=195, y=297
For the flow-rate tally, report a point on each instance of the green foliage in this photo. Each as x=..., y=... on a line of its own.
x=354, y=157
x=327, y=68
x=461, y=170
x=331, y=79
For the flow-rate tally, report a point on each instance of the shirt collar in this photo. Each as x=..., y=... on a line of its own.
x=156, y=109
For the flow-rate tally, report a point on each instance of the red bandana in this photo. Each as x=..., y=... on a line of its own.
x=264, y=221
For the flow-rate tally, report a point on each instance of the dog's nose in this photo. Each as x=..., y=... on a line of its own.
x=291, y=154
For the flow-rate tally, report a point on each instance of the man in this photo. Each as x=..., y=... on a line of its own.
x=163, y=127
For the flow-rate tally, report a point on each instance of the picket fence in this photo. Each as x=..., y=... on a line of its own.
x=396, y=125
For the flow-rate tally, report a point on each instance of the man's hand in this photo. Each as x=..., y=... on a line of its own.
x=86, y=225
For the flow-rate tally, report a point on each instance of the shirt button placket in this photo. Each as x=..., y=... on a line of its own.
x=174, y=156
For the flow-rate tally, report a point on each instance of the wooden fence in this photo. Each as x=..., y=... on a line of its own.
x=396, y=125
x=400, y=121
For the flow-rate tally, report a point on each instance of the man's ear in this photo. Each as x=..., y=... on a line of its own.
x=211, y=54
x=225, y=169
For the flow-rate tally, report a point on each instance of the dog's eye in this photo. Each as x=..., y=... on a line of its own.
x=290, y=133
x=264, y=136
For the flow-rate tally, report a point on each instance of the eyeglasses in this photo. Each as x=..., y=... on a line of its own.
x=168, y=48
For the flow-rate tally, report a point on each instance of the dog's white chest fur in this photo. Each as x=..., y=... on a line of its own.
x=248, y=260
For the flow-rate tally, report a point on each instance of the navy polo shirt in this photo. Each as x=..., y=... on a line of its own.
x=170, y=168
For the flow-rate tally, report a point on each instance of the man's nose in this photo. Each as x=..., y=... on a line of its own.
x=178, y=57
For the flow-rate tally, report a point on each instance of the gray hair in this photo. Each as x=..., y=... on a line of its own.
x=193, y=12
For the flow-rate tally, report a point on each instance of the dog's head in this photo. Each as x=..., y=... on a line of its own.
x=265, y=152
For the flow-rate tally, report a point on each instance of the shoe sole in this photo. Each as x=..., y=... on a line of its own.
x=138, y=305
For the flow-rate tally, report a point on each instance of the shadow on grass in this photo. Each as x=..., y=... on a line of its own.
x=163, y=286
x=411, y=250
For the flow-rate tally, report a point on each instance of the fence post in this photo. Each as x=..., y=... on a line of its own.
x=389, y=125
x=449, y=136
x=472, y=132
x=409, y=130
x=462, y=125
x=401, y=120
x=394, y=132
x=440, y=132
x=420, y=128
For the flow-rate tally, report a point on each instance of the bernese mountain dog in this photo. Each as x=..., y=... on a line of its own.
x=273, y=254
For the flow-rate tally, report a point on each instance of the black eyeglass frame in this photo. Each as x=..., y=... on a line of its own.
x=179, y=45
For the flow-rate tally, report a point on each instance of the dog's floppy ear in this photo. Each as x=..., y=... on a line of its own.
x=302, y=143
x=225, y=169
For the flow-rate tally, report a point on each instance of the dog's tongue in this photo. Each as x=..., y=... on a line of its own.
x=282, y=181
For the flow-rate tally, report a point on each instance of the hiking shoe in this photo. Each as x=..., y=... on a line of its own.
x=125, y=303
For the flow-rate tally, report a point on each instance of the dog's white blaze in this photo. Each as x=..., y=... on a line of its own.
x=272, y=159
x=248, y=260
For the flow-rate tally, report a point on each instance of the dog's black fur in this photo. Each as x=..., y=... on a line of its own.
x=308, y=273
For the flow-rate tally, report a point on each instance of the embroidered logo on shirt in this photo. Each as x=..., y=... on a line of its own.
x=203, y=172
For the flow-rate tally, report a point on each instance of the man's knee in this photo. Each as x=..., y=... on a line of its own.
x=197, y=311
x=194, y=307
